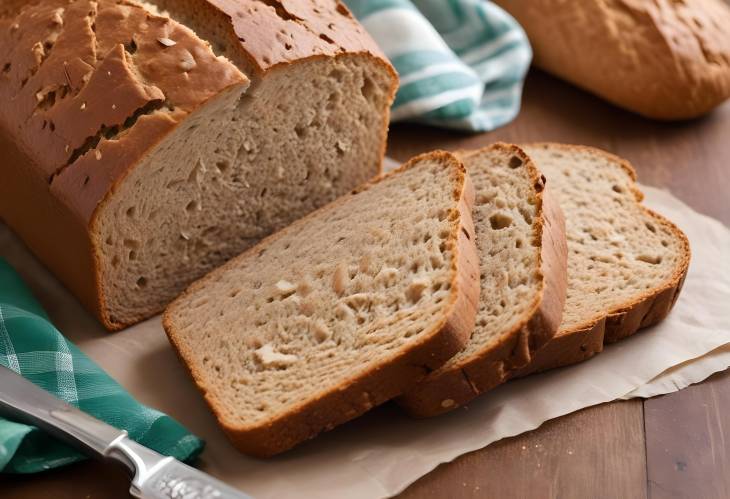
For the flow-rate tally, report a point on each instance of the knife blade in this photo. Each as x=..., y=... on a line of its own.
x=154, y=476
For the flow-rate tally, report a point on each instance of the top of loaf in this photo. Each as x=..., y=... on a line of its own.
x=275, y=32
x=80, y=77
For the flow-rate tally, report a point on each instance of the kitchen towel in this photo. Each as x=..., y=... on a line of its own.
x=32, y=346
x=461, y=62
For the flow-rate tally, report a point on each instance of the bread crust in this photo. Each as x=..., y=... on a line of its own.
x=403, y=370
x=446, y=389
x=665, y=60
x=651, y=307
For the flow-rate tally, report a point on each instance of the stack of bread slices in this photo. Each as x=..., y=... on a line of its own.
x=429, y=285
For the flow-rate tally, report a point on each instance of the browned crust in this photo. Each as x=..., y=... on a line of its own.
x=267, y=33
x=649, y=308
x=444, y=339
x=664, y=60
x=445, y=390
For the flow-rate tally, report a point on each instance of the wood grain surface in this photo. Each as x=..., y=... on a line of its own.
x=674, y=446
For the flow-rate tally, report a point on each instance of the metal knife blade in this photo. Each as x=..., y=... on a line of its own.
x=155, y=476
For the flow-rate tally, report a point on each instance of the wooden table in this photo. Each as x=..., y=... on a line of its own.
x=672, y=446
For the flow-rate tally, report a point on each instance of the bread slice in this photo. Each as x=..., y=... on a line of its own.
x=337, y=313
x=521, y=244
x=626, y=264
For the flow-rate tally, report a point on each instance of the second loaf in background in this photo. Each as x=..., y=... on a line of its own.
x=663, y=59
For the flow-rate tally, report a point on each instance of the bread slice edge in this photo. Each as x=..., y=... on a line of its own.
x=445, y=390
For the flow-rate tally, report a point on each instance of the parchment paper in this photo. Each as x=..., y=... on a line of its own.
x=384, y=451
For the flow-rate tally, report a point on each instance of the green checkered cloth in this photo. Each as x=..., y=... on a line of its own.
x=461, y=62
x=32, y=346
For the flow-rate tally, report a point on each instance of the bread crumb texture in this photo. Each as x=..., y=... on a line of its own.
x=326, y=301
x=618, y=251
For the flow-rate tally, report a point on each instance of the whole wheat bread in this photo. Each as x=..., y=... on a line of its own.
x=141, y=148
x=521, y=244
x=626, y=264
x=338, y=312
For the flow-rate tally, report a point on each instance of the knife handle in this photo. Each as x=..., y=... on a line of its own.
x=155, y=476
x=159, y=477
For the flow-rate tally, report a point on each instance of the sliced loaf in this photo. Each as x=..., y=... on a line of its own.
x=626, y=264
x=137, y=158
x=337, y=313
x=521, y=244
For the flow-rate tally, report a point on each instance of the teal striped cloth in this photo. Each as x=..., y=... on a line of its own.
x=32, y=346
x=461, y=62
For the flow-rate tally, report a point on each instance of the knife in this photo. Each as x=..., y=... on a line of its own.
x=155, y=476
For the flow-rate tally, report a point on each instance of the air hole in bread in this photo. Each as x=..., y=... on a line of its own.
x=618, y=188
x=500, y=221
x=132, y=255
x=653, y=260
x=515, y=162
x=192, y=206
x=223, y=166
x=651, y=227
x=337, y=74
x=142, y=282
x=368, y=88
x=300, y=131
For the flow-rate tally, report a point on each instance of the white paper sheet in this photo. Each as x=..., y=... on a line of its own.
x=384, y=451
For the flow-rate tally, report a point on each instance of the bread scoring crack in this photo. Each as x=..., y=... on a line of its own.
x=281, y=11
x=111, y=133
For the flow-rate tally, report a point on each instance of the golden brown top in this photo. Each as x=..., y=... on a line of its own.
x=89, y=86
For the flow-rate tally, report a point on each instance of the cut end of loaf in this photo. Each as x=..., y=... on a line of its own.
x=234, y=173
x=127, y=111
x=337, y=313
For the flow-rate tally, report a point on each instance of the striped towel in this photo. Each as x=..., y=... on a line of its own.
x=461, y=62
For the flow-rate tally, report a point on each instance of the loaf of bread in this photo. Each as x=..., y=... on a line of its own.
x=626, y=264
x=338, y=312
x=663, y=59
x=520, y=234
x=136, y=157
